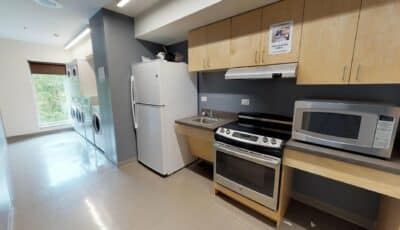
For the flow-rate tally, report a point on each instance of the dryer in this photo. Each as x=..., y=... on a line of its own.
x=97, y=128
x=80, y=128
x=74, y=117
x=86, y=118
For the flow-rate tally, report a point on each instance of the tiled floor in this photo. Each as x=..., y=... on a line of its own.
x=60, y=182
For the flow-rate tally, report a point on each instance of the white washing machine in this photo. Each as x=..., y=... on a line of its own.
x=97, y=128
x=80, y=127
x=86, y=119
x=74, y=117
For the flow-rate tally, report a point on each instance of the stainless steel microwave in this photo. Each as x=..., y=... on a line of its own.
x=354, y=126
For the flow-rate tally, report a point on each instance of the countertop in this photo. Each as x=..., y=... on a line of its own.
x=391, y=166
x=223, y=119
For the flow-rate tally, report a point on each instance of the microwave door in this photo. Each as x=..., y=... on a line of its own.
x=334, y=128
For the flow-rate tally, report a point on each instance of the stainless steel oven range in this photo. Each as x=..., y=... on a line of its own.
x=248, y=156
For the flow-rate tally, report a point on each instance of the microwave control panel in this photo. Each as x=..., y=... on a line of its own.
x=384, y=132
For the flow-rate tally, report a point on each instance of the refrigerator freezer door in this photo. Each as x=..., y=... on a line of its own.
x=149, y=136
x=133, y=102
x=147, y=84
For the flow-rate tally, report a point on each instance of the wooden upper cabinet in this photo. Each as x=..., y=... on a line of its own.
x=377, y=50
x=285, y=11
x=246, y=39
x=328, y=39
x=218, y=40
x=197, y=52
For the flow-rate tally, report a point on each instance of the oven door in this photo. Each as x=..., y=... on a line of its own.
x=253, y=175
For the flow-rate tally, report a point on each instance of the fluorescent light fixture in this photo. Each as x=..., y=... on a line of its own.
x=80, y=36
x=122, y=3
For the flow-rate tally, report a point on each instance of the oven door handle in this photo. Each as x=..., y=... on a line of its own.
x=268, y=161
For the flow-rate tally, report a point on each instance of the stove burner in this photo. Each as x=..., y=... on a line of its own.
x=264, y=133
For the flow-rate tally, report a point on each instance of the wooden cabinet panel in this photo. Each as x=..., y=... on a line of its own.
x=218, y=40
x=377, y=51
x=197, y=42
x=327, y=43
x=283, y=11
x=246, y=39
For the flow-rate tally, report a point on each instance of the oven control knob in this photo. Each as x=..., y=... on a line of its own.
x=273, y=141
x=228, y=131
x=265, y=139
x=222, y=130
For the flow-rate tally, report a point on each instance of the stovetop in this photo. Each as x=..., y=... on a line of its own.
x=264, y=133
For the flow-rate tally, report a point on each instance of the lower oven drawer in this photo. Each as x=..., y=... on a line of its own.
x=255, y=176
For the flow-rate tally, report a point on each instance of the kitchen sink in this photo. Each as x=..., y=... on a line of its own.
x=205, y=120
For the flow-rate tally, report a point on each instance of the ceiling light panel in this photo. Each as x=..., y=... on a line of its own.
x=122, y=3
x=49, y=3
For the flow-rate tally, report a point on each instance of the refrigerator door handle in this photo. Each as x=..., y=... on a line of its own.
x=133, y=102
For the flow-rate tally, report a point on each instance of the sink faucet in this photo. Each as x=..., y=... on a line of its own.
x=210, y=113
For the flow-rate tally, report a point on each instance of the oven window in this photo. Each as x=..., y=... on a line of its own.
x=251, y=175
x=332, y=124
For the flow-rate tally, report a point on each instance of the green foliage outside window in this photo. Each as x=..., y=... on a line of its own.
x=51, y=98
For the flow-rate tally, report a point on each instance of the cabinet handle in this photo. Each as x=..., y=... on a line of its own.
x=208, y=62
x=358, y=72
x=204, y=63
x=344, y=73
x=262, y=56
x=255, y=57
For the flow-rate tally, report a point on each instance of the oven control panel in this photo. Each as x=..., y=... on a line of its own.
x=250, y=138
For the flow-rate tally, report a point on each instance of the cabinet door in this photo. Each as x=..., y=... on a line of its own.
x=377, y=51
x=290, y=11
x=218, y=40
x=246, y=38
x=197, y=42
x=327, y=43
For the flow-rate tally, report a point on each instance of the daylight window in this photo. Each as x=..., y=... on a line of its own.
x=51, y=100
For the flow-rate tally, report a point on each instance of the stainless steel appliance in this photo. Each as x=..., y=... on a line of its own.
x=248, y=156
x=354, y=126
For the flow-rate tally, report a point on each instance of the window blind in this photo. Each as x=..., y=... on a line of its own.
x=47, y=68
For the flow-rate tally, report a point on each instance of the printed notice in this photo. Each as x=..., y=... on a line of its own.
x=101, y=73
x=280, y=38
x=383, y=134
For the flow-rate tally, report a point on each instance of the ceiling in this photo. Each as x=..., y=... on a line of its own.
x=134, y=7
x=27, y=21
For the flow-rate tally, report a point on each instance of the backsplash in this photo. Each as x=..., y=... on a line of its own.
x=278, y=95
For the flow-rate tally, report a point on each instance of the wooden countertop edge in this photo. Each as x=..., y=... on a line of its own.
x=360, y=176
x=390, y=166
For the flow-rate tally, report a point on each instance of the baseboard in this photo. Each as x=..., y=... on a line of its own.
x=335, y=211
x=125, y=162
x=14, y=139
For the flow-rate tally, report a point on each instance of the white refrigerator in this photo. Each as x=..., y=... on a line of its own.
x=162, y=92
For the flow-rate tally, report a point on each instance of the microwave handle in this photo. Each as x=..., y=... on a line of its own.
x=269, y=162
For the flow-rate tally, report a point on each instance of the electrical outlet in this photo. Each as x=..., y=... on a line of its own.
x=204, y=99
x=245, y=102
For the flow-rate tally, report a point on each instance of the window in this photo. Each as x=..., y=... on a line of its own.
x=51, y=99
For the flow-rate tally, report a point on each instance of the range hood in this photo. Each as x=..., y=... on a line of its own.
x=263, y=72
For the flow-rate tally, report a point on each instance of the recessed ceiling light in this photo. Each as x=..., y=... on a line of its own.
x=80, y=36
x=122, y=3
x=49, y=3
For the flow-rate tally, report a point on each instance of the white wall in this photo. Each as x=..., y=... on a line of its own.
x=17, y=102
x=83, y=49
